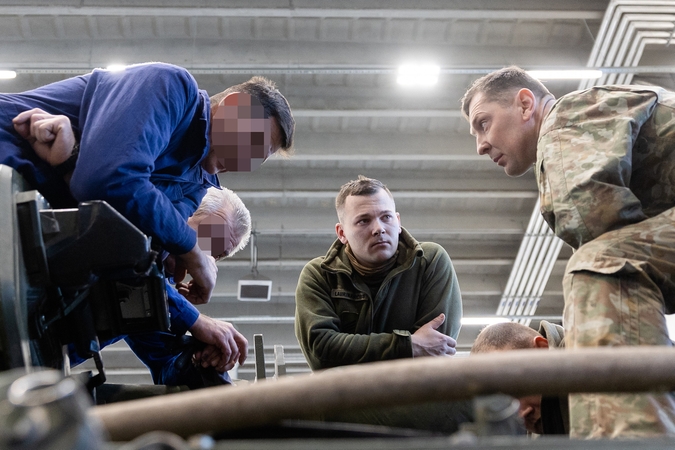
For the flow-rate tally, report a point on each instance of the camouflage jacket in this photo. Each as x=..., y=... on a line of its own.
x=606, y=159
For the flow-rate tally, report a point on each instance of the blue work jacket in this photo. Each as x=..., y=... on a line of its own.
x=143, y=133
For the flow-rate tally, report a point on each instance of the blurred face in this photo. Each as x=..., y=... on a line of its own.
x=505, y=134
x=242, y=138
x=530, y=411
x=371, y=225
x=214, y=235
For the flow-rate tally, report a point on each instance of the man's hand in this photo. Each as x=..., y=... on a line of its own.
x=50, y=136
x=428, y=342
x=203, y=270
x=225, y=345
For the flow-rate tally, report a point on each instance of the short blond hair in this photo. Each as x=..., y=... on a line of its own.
x=361, y=186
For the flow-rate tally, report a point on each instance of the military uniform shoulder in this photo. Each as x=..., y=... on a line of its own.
x=599, y=92
x=581, y=106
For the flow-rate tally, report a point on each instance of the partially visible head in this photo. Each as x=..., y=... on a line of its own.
x=222, y=223
x=250, y=121
x=505, y=336
x=368, y=220
x=514, y=336
x=504, y=111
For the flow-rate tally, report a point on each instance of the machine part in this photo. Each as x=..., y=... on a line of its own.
x=259, y=353
x=94, y=238
x=28, y=205
x=46, y=411
x=279, y=361
x=400, y=382
x=126, y=305
x=497, y=415
x=14, y=341
x=158, y=440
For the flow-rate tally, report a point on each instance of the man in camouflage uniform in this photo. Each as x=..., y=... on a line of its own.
x=605, y=165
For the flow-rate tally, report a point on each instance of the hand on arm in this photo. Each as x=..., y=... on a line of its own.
x=203, y=270
x=50, y=136
x=426, y=341
x=225, y=346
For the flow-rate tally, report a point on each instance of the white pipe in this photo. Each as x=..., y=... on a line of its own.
x=516, y=271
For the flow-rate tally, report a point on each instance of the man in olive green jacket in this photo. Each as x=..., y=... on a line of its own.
x=378, y=294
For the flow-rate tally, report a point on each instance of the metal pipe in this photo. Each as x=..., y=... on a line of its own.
x=540, y=231
x=523, y=253
x=410, y=380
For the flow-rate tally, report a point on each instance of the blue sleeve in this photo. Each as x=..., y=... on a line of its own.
x=183, y=313
x=128, y=120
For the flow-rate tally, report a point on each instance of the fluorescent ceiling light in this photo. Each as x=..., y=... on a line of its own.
x=7, y=74
x=418, y=75
x=565, y=74
x=670, y=324
x=116, y=67
x=483, y=320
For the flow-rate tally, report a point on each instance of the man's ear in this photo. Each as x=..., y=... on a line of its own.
x=540, y=342
x=232, y=99
x=525, y=101
x=340, y=233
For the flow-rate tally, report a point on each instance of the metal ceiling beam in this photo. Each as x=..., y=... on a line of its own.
x=378, y=112
x=378, y=157
x=399, y=195
x=427, y=232
x=168, y=11
x=70, y=68
x=300, y=263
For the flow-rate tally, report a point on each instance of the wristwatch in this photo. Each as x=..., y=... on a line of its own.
x=68, y=165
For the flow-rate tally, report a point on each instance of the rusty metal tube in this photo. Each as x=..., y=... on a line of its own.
x=400, y=382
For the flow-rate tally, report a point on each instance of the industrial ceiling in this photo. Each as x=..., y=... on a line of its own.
x=336, y=63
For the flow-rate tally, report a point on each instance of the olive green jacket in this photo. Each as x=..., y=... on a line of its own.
x=338, y=323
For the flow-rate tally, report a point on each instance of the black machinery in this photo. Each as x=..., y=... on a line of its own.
x=70, y=279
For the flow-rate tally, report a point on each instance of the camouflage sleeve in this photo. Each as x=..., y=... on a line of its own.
x=584, y=162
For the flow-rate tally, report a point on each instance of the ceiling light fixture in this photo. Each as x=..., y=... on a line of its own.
x=418, y=75
x=565, y=74
x=484, y=320
x=7, y=74
x=116, y=67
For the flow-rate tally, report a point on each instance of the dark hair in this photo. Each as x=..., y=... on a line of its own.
x=501, y=85
x=504, y=336
x=274, y=103
x=361, y=186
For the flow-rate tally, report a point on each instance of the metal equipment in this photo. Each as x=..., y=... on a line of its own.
x=70, y=279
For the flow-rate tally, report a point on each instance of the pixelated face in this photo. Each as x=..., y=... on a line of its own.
x=371, y=225
x=530, y=411
x=503, y=135
x=241, y=135
x=214, y=236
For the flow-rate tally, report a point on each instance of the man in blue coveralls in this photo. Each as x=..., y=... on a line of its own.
x=149, y=142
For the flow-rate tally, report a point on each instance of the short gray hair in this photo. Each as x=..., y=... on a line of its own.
x=504, y=336
x=239, y=218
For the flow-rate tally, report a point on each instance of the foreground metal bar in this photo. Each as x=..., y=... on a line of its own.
x=517, y=373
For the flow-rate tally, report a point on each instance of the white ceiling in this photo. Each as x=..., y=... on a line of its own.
x=335, y=62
